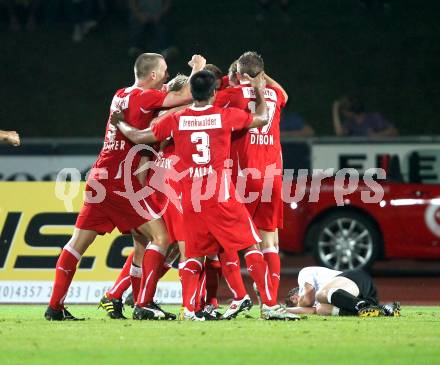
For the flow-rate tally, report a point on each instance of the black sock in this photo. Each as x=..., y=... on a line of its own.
x=346, y=302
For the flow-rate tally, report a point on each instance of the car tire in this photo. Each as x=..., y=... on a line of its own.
x=345, y=240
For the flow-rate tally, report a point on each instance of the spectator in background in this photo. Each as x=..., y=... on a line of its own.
x=83, y=17
x=22, y=8
x=147, y=18
x=293, y=125
x=356, y=122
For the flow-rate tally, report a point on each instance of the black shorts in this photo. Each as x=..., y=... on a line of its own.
x=367, y=290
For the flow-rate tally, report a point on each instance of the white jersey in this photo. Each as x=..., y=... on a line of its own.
x=316, y=276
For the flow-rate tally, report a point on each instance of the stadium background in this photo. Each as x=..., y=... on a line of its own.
x=54, y=88
x=328, y=48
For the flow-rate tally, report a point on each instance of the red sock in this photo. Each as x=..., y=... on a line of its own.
x=64, y=271
x=259, y=272
x=135, y=280
x=213, y=270
x=190, y=275
x=201, y=291
x=274, y=264
x=151, y=267
x=230, y=263
x=123, y=281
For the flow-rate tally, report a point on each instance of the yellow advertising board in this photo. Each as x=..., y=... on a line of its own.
x=34, y=226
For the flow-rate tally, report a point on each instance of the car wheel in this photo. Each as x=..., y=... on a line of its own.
x=345, y=240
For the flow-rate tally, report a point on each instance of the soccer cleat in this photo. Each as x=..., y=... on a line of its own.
x=60, y=315
x=152, y=311
x=210, y=313
x=168, y=316
x=370, y=311
x=113, y=307
x=238, y=306
x=391, y=309
x=277, y=313
x=69, y=317
x=187, y=315
x=147, y=313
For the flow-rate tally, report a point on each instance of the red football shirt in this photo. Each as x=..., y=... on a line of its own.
x=202, y=138
x=257, y=147
x=139, y=108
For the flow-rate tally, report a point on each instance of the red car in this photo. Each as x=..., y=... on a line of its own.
x=405, y=223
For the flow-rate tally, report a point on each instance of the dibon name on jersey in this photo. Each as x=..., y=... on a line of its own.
x=261, y=139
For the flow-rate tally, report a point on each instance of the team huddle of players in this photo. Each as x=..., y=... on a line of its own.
x=209, y=122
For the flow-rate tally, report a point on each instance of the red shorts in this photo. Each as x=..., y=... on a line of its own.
x=114, y=211
x=225, y=226
x=267, y=209
x=171, y=214
x=173, y=218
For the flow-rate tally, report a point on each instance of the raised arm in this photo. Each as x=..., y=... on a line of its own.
x=183, y=96
x=136, y=136
x=271, y=82
x=260, y=118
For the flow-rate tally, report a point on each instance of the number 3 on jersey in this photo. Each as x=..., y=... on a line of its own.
x=202, y=146
x=271, y=108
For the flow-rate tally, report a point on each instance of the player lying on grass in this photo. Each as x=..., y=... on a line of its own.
x=330, y=292
x=10, y=137
x=215, y=223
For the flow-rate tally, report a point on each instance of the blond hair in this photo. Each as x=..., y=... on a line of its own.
x=177, y=82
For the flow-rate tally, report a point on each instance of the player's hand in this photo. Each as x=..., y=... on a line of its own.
x=116, y=117
x=336, y=105
x=197, y=61
x=258, y=81
x=13, y=138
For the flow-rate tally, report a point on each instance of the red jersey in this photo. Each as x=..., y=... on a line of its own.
x=139, y=108
x=202, y=138
x=256, y=147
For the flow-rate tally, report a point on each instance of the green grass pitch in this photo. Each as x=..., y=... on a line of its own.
x=26, y=338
